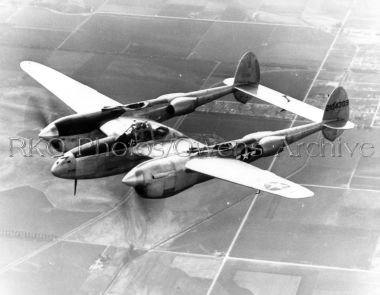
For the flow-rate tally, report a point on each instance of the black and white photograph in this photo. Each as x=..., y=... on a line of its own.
x=201, y=147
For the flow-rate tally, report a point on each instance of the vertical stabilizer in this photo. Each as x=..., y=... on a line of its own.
x=247, y=73
x=336, y=114
x=248, y=70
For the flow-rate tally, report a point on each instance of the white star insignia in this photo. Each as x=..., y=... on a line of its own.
x=275, y=186
x=246, y=156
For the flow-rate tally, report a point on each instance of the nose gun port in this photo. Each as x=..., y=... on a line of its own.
x=65, y=167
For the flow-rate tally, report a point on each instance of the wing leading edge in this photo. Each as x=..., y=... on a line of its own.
x=79, y=97
x=244, y=174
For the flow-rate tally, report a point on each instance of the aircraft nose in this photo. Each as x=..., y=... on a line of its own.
x=133, y=178
x=49, y=132
x=65, y=167
x=56, y=168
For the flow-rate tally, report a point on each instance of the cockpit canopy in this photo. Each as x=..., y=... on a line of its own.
x=137, y=105
x=142, y=132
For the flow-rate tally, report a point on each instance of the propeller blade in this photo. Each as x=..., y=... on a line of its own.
x=75, y=186
x=36, y=115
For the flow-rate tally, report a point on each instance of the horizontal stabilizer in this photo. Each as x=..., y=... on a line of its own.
x=341, y=125
x=79, y=97
x=283, y=101
x=244, y=174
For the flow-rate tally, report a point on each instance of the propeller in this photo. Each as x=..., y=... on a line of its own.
x=36, y=117
x=75, y=186
x=39, y=112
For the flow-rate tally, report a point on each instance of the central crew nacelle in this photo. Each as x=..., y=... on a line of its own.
x=114, y=155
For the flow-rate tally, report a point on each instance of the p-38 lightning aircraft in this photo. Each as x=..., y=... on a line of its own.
x=143, y=148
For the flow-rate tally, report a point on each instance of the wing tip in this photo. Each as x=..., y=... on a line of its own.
x=297, y=192
x=304, y=194
x=26, y=65
x=309, y=194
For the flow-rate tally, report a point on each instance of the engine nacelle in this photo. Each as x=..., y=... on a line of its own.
x=271, y=145
x=182, y=105
x=80, y=123
x=162, y=178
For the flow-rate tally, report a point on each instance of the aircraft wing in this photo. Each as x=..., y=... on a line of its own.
x=283, y=101
x=242, y=173
x=79, y=97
